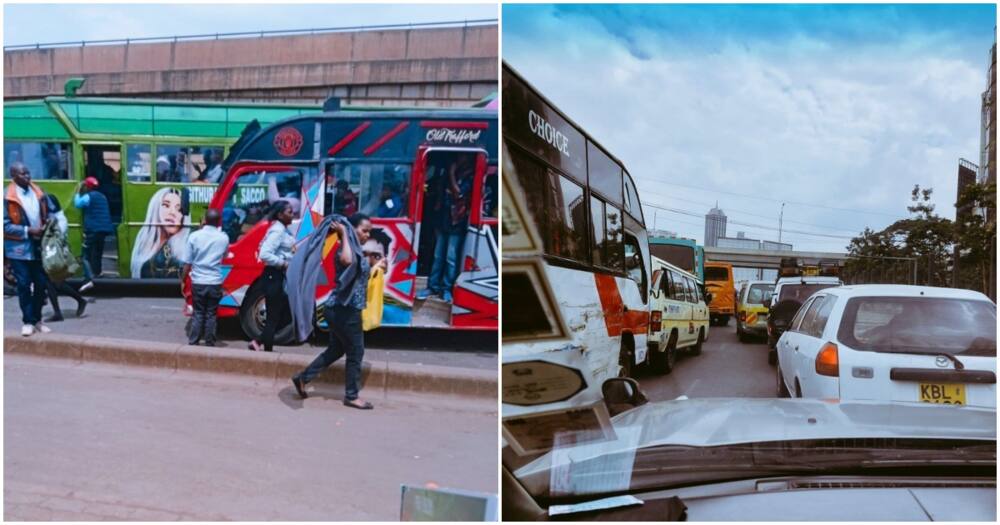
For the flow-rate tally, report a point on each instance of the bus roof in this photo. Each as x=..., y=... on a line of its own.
x=362, y=134
x=556, y=109
x=95, y=118
x=64, y=118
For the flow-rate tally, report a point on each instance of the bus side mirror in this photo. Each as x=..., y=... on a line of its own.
x=622, y=394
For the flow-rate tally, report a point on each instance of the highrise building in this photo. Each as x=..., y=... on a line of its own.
x=715, y=226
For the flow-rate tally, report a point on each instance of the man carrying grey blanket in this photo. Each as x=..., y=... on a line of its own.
x=343, y=308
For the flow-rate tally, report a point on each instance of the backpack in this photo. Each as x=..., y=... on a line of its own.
x=57, y=259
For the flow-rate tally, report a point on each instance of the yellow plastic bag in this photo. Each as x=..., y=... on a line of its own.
x=371, y=316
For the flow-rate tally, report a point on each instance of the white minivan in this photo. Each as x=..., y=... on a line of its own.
x=892, y=343
x=678, y=317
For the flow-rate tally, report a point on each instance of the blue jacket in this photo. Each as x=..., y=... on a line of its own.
x=96, y=212
x=17, y=244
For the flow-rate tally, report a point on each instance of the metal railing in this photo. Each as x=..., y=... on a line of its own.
x=259, y=34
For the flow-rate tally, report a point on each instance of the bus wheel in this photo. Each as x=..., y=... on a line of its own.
x=626, y=360
x=696, y=349
x=253, y=314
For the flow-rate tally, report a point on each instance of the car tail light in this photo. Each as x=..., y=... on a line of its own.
x=827, y=361
x=742, y=316
x=655, y=321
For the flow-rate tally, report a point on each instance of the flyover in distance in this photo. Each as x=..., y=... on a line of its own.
x=768, y=259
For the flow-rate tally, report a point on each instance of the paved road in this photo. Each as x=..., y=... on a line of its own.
x=92, y=442
x=725, y=368
x=156, y=318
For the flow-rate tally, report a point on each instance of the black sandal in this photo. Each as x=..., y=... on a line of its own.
x=366, y=406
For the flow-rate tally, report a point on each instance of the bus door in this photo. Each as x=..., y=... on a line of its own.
x=441, y=170
x=244, y=198
x=476, y=290
x=103, y=161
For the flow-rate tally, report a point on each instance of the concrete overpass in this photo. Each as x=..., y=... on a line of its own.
x=767, y=259
x=446, y=64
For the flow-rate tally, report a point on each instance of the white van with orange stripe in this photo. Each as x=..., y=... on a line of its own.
x=583, y=290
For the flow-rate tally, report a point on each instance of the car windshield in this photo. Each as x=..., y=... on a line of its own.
x=759, y=293
x=800, y=292
x=920, y=325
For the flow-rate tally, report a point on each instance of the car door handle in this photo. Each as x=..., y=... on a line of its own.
x=796, y=349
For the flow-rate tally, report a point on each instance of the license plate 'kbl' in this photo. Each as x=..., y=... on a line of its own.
x=947, y=394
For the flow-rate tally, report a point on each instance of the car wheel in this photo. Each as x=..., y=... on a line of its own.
x=696, y=349
x=782, y=389
x=253, y=313
x=663, y=362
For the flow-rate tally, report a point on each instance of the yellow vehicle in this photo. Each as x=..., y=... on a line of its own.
x=751, y=309
x=719, y=282
x=678, y=317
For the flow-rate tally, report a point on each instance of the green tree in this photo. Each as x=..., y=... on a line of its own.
x=925, y=236
x=975, y=236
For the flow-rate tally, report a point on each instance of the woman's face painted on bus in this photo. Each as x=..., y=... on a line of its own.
x=171, y=216
x=364, y=231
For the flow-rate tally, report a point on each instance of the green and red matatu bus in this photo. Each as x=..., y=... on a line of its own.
x=158, y=162
x=390, y=165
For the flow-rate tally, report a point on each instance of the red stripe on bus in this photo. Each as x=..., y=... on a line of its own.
x=387, y=137
x=458, y=124
x=616, y=319
x=348, y=138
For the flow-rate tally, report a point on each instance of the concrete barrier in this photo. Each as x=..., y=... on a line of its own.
x=383, y=377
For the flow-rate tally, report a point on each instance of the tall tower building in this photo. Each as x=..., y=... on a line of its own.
x=715, y=226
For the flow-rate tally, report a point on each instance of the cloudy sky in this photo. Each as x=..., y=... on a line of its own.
x=35, y=23
x=837, y=110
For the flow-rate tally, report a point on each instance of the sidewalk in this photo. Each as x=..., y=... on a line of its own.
x=160, y=319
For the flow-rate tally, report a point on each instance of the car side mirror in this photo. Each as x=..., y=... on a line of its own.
x=708, y=297
x=622, y=394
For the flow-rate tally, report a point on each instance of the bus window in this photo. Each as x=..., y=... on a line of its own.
x=375, y=189
x=632, y=206
x=45, y=160
x=614, y=246
x=604, y=174
x=597, y=223
x=634, y=266
x=531, y=176
x=188, y=164
x=254, y=193
x=568, y=222
x=138, y=160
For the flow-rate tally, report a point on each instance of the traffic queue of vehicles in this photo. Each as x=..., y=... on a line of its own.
x=590, y=294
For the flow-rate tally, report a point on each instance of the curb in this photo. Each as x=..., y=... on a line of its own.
x=383, y=376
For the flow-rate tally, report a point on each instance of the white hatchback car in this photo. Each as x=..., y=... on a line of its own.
x=892, y=343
